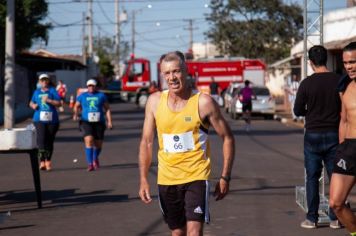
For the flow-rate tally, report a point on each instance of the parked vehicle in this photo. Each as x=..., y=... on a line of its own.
x=136, y=78
x=229, y=94
x=263, y=104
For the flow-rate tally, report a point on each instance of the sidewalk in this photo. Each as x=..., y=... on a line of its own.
x=285, y=117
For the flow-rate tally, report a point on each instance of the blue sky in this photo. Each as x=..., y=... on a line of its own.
x=161, y=28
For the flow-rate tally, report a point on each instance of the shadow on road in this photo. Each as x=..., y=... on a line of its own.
x=16, y=227
x=275, y=150
x=267, y=132
x=62, y=198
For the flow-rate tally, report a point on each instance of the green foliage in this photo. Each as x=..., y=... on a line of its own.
x=265, y=29
x=29, y=15
x=106, y=68
x=105, y=50
x=104, y=47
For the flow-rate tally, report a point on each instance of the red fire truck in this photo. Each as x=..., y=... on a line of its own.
x=137, y=76
x=224, y=71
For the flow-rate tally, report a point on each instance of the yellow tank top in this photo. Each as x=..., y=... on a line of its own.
x=184, y=153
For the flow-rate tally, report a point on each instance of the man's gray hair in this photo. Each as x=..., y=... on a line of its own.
x=174, y=56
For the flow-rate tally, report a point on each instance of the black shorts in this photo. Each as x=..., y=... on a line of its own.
x=95, y=129
x=184, y=202
x=345, y=161
x=246, y=106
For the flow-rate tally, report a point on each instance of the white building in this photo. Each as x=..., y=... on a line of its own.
x=204, y=50
x=339, y=29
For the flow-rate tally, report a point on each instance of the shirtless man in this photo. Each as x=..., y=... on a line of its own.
x=344, y=175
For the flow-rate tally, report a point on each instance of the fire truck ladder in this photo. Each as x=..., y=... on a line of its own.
x=313, y=27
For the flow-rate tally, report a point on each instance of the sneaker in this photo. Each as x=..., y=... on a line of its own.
x=48, y=165
x=90, y=168
x=307, y=224
x=96, y=164
x=42, y=165
x=335, y=224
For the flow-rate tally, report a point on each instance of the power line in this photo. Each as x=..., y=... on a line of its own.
x=112, y=1
x=155, y=43
x=64, y=25
x=103, y=12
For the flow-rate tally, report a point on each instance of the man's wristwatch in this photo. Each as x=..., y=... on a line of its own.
x=226, y=178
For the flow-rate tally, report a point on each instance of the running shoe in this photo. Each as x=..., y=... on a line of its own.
x=90, y=168
x=42, y=165
x=335, y=224
x=96, y=164
x=307, y=224
x=48, y=165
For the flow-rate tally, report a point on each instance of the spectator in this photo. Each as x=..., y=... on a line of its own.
x=318, y=100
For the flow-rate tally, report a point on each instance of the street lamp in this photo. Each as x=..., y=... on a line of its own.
x=134, y=12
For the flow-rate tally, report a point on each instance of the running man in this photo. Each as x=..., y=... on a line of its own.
x=62, y=90
x=93, y=105
x=182, y=119
x=245, y=96
x=344, y=175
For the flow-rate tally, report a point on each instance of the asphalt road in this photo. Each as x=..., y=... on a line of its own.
x=268, y=166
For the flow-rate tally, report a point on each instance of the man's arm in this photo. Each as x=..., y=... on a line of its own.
x=300, y=101
x=208, y=108
x=108, y=115
x=343, y=122
x=33, y=105
x=76, y=110
x=53, y=102
x=145, y=152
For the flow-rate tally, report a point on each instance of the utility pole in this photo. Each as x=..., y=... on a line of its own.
x=90, y=28
x=9, y=101
x=133, y=33
x=117, y=38
x=133, y=43
x=190, y=28
x=84, y=47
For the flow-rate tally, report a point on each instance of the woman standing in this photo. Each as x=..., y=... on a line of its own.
x=44, y=101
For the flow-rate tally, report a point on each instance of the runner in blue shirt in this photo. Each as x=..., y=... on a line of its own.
x=44, y=101
x=94, y=108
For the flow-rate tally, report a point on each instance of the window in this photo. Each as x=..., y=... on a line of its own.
x=261, y=91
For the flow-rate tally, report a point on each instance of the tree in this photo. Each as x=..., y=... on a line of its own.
x=29, y=15
x=105, y=49
x=265, y=29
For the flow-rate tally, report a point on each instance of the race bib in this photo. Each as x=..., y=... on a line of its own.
x=175, y=143
x=46, y=116
x=94, y=116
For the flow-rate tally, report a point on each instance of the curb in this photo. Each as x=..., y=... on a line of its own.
x=289, y=121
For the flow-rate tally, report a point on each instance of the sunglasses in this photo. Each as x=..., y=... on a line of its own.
x=90, y=85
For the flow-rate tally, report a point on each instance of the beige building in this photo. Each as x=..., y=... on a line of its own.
x=339, y=30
